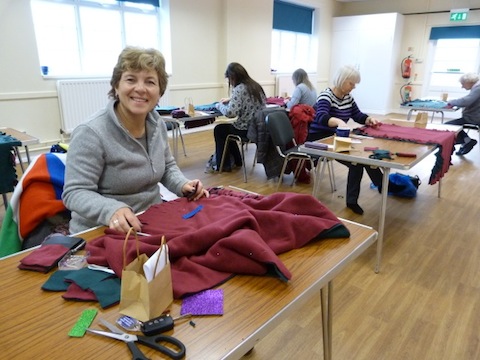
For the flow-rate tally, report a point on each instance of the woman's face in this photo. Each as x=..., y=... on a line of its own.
x=138, y=91
x=348, y=86
x=467, y=85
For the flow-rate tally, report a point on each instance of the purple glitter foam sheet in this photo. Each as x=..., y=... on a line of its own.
x=209, y=302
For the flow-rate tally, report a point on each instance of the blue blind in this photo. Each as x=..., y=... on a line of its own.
x=292, y=17
x=150, y=2
x=455, y=32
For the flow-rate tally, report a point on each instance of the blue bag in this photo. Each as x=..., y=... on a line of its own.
x=408, y=185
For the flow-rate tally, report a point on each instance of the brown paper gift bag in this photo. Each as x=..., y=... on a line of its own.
x=422, y=118
x=139, y=298
x=189, y=108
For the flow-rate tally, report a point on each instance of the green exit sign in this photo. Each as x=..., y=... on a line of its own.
x=458, y=15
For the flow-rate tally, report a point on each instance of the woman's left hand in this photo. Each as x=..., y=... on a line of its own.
x=194, y=190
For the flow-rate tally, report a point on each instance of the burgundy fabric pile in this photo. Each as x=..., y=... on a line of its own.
x=233, y=233
x=444, y=139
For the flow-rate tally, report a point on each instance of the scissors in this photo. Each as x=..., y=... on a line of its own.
x=150, y=341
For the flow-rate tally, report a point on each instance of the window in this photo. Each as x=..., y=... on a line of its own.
x=454, y=51
x=293, y=43
x=82, y=38
x=452, y=58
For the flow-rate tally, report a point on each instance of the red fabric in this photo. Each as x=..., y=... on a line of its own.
x=232, y=234
x=44, y=258
x=75, y=292
x=301, y=115
x=444, y=139
x=275, y=100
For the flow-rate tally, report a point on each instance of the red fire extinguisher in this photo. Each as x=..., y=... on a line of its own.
x=406, y=67
x=406, y=93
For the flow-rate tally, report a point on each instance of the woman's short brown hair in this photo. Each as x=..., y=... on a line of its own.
x=137, y=59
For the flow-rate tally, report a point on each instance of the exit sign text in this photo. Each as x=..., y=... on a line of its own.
x=458, y=15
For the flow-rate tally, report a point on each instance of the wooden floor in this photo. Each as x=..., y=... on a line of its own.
x=424, y=303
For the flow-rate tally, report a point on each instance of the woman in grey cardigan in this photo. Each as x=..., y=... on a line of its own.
x=471, y=111
x=117, y=159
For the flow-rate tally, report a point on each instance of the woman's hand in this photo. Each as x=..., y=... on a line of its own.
x=372, y=122
x=194, y=190
x=123, y=219
x=225, y=100
x=336, y=122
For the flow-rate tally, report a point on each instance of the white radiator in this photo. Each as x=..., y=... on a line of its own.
x=78, y=99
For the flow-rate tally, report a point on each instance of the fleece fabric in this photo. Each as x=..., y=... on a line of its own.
x=233, y=233
x=37, y=196
x=444, y=139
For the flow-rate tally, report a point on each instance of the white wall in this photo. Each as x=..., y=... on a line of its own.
x=419, y=18
x=206, y=35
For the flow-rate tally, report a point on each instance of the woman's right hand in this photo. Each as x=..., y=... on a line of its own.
x=123, y=219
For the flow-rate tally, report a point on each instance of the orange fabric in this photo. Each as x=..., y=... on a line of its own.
x=38, y=200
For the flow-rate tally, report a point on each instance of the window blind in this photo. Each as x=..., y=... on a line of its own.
x=291, y=17
x=455, y=32
x=149, y=2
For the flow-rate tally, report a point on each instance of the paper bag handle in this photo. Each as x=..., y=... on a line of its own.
x=125, y=246
x=162, y=243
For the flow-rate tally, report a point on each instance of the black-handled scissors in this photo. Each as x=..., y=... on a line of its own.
x=150, y=341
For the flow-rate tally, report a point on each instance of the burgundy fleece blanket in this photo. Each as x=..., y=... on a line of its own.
x=232, y=234
x=444, y=139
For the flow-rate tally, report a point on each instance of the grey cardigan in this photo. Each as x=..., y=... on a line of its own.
x=470, y=104
x=108, y=169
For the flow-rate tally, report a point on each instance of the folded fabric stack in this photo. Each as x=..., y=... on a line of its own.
x=44, y=259
x=37, y=196
x=85, y=285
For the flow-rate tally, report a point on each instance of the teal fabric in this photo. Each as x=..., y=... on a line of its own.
x=106, y=287
x=86, y=278
x=56, y=281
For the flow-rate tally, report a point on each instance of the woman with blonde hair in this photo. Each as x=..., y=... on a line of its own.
x=334, y=107
x=304, y=92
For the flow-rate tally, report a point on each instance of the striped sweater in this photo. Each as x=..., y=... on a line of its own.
x=328, y=105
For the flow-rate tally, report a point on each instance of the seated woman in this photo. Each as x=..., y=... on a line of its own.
x=471, y=111
x=117, y=159
x=247, y=98
x=334, y=107
x=304, y=92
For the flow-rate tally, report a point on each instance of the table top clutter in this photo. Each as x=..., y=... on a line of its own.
x=253, y=306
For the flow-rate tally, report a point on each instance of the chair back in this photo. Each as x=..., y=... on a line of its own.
x=280, y=129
